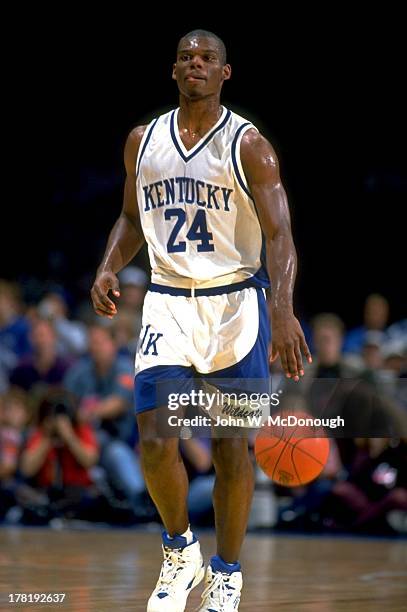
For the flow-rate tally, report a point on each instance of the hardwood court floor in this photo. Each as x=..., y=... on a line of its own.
x=115, y=571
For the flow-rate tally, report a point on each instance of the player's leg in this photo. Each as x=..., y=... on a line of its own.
x=167, y=483
x=234, y=483
x=232, y=494
x=164, y=473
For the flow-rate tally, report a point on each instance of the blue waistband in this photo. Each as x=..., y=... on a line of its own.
x=198, y=292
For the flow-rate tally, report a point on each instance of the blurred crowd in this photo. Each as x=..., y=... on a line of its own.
x=68, y=435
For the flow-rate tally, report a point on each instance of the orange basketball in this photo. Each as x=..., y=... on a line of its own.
x=289, y=452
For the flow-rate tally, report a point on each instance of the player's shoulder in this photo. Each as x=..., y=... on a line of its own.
x=255, y=144
x=132, y=146
x=136, y=135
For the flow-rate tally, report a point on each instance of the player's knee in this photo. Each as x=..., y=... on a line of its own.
x=156, y=452
x=230, y=455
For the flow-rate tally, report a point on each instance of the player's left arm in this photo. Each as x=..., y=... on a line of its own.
x=261, y=169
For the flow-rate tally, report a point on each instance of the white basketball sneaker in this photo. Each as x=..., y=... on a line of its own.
x=223, y=585
x=181, y=571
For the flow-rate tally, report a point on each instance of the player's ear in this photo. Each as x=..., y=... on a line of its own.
x=227, y=72
x=174, y=75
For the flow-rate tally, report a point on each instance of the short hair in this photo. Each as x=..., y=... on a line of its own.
x=104, y=326
x=328, y=319
x=207, y=34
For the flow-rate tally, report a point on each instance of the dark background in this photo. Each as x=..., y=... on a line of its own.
x=327, y=90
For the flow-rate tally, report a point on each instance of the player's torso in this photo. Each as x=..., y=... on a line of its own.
x=197, y=215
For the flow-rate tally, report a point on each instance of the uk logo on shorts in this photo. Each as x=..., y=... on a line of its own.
x=148, y=345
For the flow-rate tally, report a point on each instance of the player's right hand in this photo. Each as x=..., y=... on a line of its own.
x=105, y=282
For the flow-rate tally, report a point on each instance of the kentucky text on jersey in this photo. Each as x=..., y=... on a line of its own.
x=186, y=190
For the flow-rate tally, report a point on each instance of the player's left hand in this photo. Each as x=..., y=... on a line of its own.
x=288, y=341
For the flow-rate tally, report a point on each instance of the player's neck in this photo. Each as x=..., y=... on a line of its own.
x=198, y=116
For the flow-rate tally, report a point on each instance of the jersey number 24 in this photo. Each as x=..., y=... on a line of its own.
x=197, y=231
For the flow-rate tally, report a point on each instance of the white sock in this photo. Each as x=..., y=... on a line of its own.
x=188, y=535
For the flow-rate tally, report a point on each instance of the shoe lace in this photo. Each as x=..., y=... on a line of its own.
x=172, y=564
x=219, y=589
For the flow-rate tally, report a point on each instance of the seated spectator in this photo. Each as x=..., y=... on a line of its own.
x=398, y=332
x=14, y=415
x=334, y=387
x=44, y=368
x=124, y=334
x=376, y=485
x=71, y=335
x=394, y=357
x=57, y=458
x=14, y=329
x=372, y=350
x=375, y=318
x=328, y=361
x=133, y=283
x=103, y=382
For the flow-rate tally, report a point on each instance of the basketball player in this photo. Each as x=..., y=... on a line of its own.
x=203, y=190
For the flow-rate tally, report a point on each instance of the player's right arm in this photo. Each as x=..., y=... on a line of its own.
x=126, y=237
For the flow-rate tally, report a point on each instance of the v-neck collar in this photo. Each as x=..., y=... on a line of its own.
x=185, y=153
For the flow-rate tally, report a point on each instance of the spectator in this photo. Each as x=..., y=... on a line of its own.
x=71, y=335
x=14, y=416
x=123, y=330
x=394, y=357
x=58, y=455
x=328, y=332
x=372, y=350
x=43, y=368
x=333, y=387
x=375, y=486
x=14, y=329
x=103, y=381
x=398, y=332
x=133, y=282
x=375, y=318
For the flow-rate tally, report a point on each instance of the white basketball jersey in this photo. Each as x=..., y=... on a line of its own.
x=196, y=211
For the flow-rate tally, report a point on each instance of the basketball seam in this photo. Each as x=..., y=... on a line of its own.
x=281, y=454
x=300, y=450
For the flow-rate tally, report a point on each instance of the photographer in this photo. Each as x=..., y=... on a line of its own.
x=57, y=457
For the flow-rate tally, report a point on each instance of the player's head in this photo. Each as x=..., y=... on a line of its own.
x=201, y=65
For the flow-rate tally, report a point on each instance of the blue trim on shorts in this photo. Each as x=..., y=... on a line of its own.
x=146, y=380
x=256, y=362
x=199, y=292
x=254, y=365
